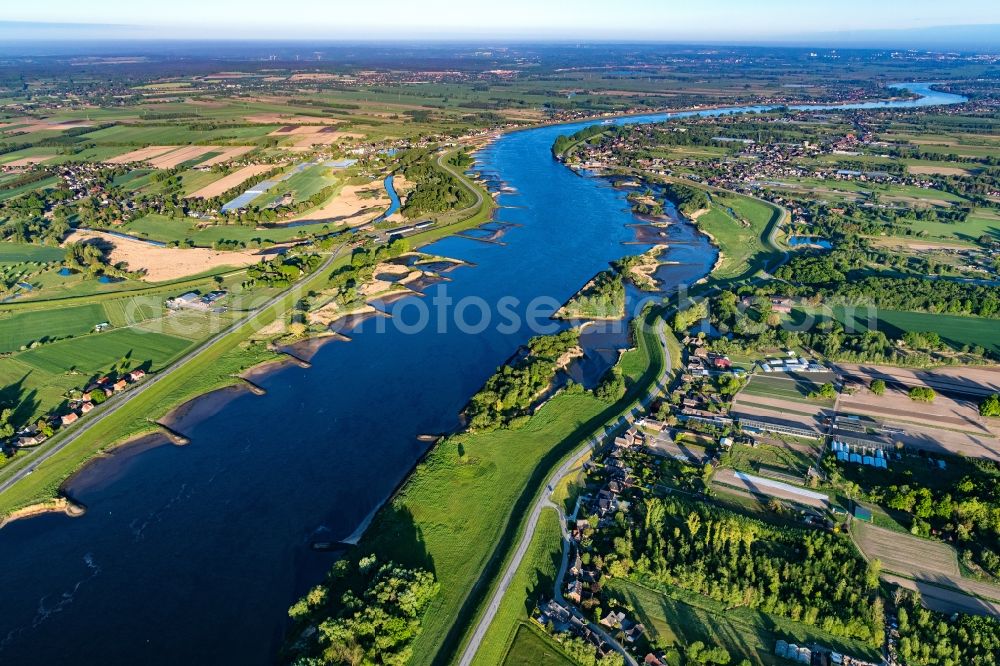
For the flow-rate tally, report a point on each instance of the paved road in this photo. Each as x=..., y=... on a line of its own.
x=545, y=501
x=40, y=455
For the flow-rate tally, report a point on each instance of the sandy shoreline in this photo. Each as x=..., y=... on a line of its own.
x=58, y=505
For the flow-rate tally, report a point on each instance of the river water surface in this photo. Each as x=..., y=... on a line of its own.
x=193, y=554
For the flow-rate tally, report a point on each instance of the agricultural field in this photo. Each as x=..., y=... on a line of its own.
x=18, y=329
x=93, y=353
x=171, y=230
x=955, y=331
x=918, y=559
x=178, y=134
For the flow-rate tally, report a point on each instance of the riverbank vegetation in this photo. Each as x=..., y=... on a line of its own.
x=601, y=298
x=689, y=200
x=365, y=613
x=509, y=395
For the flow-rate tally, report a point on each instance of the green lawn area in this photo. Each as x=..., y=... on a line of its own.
x=744, y=248
x=534, y=579
x=673, y=615
x=956, y=331
x=95, y=352
x=782, y=458
x=533, y=648
x=982, y=221
x=166, y=229
x=17, y=253
x=785, y=386
x=24, y=328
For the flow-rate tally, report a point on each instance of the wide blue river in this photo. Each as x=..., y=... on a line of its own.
x=191, y=555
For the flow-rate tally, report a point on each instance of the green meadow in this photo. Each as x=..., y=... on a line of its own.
x=956, y=331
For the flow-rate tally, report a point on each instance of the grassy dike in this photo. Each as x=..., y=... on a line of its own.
x=214, y=368
x=461, y=511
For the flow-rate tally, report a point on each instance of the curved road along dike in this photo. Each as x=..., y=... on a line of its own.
x=114, y=404
x=545, y=501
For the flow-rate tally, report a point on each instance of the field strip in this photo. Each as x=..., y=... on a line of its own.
x=778, y=405
x=945, y=600
x=142, y=154
x=920, y=559
x=226, y=155
x=227, y=183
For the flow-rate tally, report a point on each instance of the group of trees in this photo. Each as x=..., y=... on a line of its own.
x=435, y=190
x=922, y=394
x=602, y=298
x=927, y=638
x=811, y=577
x=990, y=406
x=564, y=143
x=281, y=272
x=348, y=279
x=511, y=392
x=688, y=199
x=366, y=613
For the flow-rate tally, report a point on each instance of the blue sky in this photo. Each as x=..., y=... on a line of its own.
x=668, y=20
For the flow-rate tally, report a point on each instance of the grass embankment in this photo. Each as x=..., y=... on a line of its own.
x=535, y=577
x=673, y=615
x=741, y=227
x=462, y=509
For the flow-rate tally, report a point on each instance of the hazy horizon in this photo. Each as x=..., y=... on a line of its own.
x=915, y=24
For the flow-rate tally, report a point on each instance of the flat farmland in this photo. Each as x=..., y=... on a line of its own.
x=182, y=155
x=165, y=229
x=226, y=154
x=918, y=558
x=303, y=184
x=176, y=135
x=142, y=154
x=956, y=331
x=947, y=412
x=232, y=180
x=17, y=253
x=22, y=328
x=94, y=353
